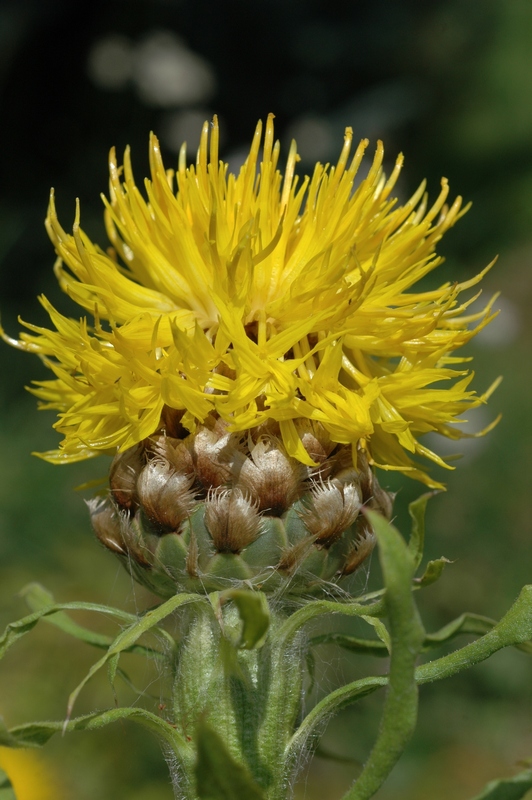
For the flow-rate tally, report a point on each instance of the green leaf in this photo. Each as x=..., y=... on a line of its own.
x=6, y=787
x=328, y=755
x=36, y=734
x=127, y=638
x=332, y=703
x=464, y=624
x=417, y=535
x=514, y=629
x=218, y=775
x=381, y=630
x=317, y=608
x=156, y=698
x=255, y=615
x=416, y=544
x=311, y=669
x=6, y=739
x=433, y=571
x=16, y=630
x=508, y=788
x=407, y=635
x=371, y=647
x=39, y=599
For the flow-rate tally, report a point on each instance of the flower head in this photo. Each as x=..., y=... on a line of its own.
x=259, y=297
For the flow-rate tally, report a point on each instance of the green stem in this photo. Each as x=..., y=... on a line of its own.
x=515, y=629
x=407, y=635
x=249, y=697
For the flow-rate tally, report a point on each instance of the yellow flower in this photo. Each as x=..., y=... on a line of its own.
x=259, y=296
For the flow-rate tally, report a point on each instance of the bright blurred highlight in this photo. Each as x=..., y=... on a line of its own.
x=30, y=775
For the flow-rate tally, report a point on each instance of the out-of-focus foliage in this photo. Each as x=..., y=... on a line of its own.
x=447, y=82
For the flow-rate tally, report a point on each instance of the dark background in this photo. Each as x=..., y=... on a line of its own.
x=448, y=82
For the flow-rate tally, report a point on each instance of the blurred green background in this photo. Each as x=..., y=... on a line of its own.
x=448, y=82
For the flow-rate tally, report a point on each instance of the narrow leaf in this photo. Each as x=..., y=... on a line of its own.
x=36, y=734
x=465, y=623
x=218, y=775
x=328, y=755
x=129, y=637
x=255, y=615
x=371, y=647
x=38, y=599
x=15, y=630
x=331, y=704
x=112, y=667
x=311, y=669
x=381, y=630
x=317, y=608
x=508, y=788
x=433, y=571
x=514, y=629
x=6, y=739
x=417, y=511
